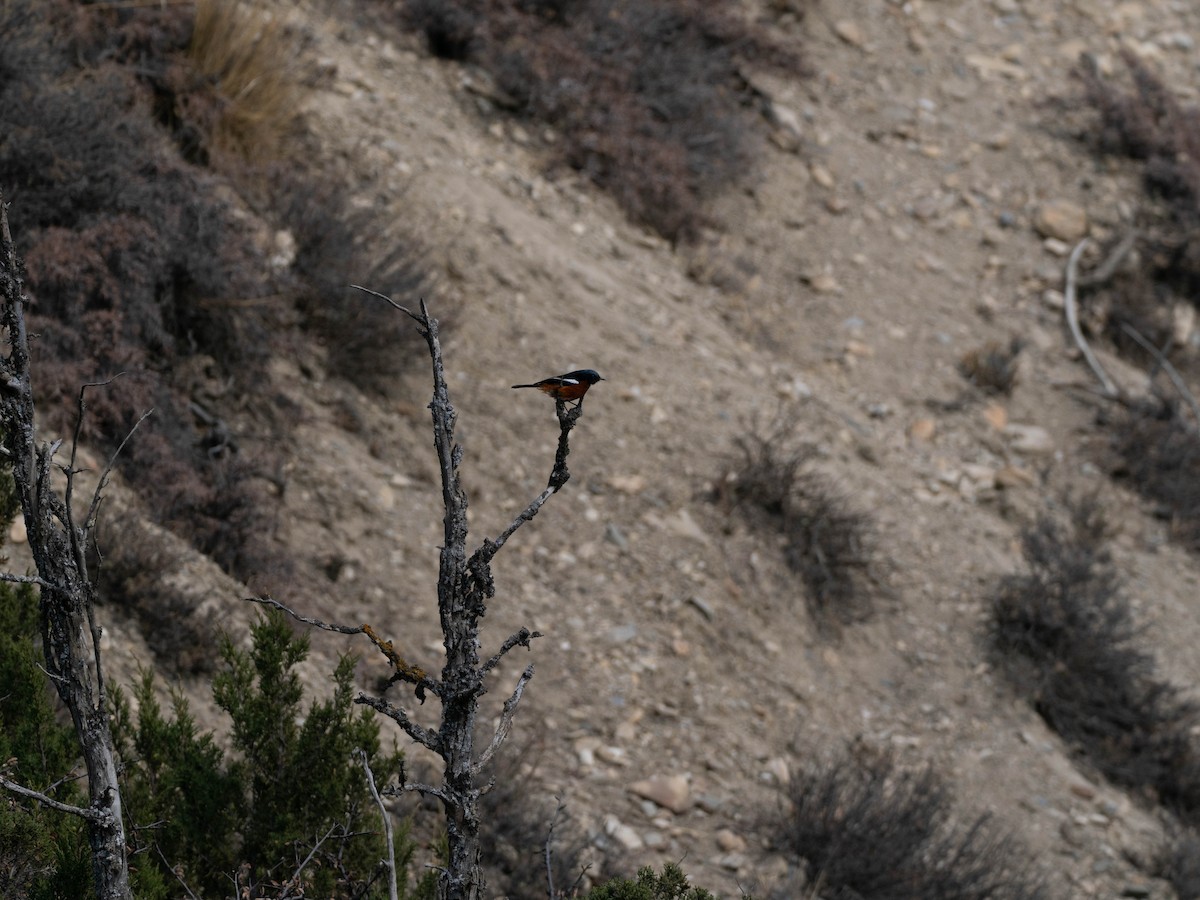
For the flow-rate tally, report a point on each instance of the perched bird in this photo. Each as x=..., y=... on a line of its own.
x=571, y=386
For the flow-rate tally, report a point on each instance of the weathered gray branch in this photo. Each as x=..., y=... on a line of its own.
x=21, y=790
x=431, y=740
x=70, y=635
x=504, y=726
x=1110, y=389
x=393, y=892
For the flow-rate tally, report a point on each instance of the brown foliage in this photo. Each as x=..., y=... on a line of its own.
x=647, y=96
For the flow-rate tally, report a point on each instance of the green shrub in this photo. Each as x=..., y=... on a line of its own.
x=672, y=884
x=43, y=854
x=289, y=787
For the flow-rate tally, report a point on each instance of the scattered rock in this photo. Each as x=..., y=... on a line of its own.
x=1032, y=440
x=850, y=32
x=995, y=415
x=821, y=175
x=622, y=833
x=702, y=606
x=730, y=841
x=1014, y=477
x=627, y=484
x=668, y=791
x=922, y=431
x=1062, y=220
x=16, y=532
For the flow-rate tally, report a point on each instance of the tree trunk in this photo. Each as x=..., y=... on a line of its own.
x=70, y=637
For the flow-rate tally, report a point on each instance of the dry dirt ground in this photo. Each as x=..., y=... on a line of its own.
x=891, y=232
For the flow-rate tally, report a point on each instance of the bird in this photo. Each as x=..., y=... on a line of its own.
x=571, y=386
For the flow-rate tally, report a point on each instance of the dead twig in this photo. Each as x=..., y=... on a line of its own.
x=1172, y=372
x=393, y=893
x=1110, y=389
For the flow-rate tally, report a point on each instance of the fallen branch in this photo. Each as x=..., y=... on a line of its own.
x=1172, y=372
x=1110, y=389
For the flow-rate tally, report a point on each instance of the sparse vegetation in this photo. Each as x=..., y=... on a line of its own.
x=868, y=828
x=993, y=367
x=671, y=884
x=1156, y=299
x=139, y=262
x=203, y=819
x=1158, y=448
x=1065, y=634
x=523, y=819
x=1180, y=864
x=828, y=543
x=646, y=97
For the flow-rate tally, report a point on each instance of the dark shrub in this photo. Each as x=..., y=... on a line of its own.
x=1064, y=633
x=647, y=96
x=866, y=828
x=828, y=543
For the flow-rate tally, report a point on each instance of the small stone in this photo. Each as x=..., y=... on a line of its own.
x=702, y=606
x=614, y=535
x=824, y=283
x=1062, y=220
x=614, y=756
x=668, y=791
x=1053, y=299
x=1083, y=791
x=859, y=348
x=850, y=32
x=682, y=524
x=821, y=175
x=622, y=833
x=778, y=770
x=627, y=484
x=922, y=430
x=622, y=634
x=1030, y=439
x=585, y=751
x=1014, y=477
x=655, y=840
x=787, y=131
x=730, y=841
x=996, y=416
x=1183, y=323
x=732, y=861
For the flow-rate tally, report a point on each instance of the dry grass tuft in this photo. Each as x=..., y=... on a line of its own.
x=251, y=58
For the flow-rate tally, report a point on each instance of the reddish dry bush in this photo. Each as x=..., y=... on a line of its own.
x=137, y=263
x=647, y=96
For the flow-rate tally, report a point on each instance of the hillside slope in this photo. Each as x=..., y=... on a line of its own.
x=894, y=234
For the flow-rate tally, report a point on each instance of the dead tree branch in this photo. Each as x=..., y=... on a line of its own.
x=390, y=862
x=1172, y=372
x=465, y=584
x=70, y=635
x=1110, y=389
